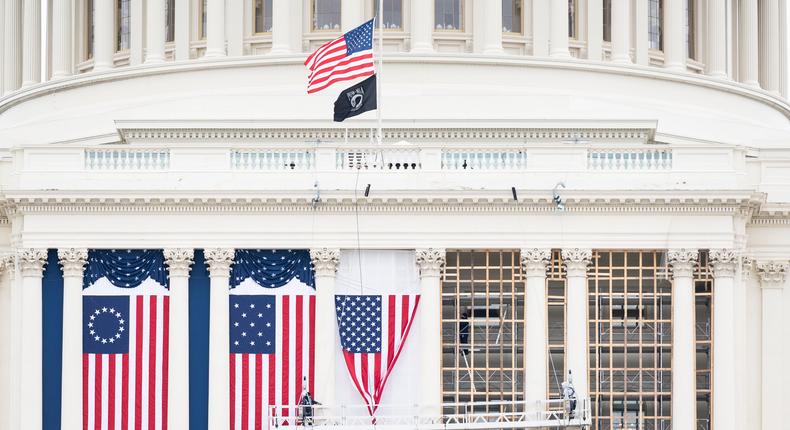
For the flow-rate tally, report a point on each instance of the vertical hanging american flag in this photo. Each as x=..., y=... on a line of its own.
x=373, y=330
x=272, y=348
x=348, y=57
x=125, y=359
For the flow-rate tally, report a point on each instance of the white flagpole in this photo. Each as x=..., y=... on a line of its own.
x=378, y=72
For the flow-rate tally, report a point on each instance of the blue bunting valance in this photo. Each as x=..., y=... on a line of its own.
x=125, y=268
x=272, y=268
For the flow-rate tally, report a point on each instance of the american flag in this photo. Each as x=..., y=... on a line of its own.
x=348, y=57
x=124, y=362
x=373, y=330
x=272, y=348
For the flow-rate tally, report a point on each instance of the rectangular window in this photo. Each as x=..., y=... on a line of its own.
x=607, y=20
x=655, y=24
x=170, y=20
x=572, y=13
x=123, y=18
x=326, y=15
x=691, y=35
x=512, y=16
x=263, y=16
x=203, y=6
x=89, y=30
x=393, y=14
x=448, y=15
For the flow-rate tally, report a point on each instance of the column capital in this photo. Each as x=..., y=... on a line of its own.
x=772, y=273
x=219, y=261
x=32, y=261
x=325, y=261
x=179, y=260
x=576, y=260
x=430, y=261
x=747, y=265
x=535, y=260
x=73, y=260
x=682, y=261
x=723, y=262
x=7, y=262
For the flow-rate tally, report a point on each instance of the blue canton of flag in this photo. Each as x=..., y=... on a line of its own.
x=360, y=38
x=253, y=324
x=105, y=324
x=359, y=319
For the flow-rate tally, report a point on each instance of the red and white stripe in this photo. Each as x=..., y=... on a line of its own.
x=329, y=64
x=129, y=391
x=260, y=380
x=369, y=371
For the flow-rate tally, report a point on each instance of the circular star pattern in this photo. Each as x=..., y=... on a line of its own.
x=106, y=325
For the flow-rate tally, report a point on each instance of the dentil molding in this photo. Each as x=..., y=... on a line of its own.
x=325, y=261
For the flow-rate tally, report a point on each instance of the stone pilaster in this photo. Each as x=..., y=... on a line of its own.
x=219, y=261
x=535, y=261
x=430, y=262
x=683, y=353
x=576, y=261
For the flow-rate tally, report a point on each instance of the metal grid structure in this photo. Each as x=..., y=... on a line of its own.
x=630, y=322
x=703, y=319
x=556, y=280
x=483, y=329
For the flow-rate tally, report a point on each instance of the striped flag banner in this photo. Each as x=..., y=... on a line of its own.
x=125, y=359
x=272, y=351
x=348, y=57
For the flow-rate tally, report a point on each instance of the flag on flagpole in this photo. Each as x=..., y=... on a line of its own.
x=348, y=57
x=373, y=330
x=357, y=99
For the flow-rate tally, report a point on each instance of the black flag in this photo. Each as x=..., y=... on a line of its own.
x=356, y=99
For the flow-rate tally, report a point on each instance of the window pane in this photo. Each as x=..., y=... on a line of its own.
x=511, y=16
x=89, y=27
x=203, y=6
x=170, y=20
x=607, y=20
x=326, y=15
x=655, y=20
x=690, y=33
x=263, y=16
x=572, y=19
x=123, y=14
x=447, y=15
x=393, y=13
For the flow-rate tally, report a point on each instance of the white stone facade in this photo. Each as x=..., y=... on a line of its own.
x=212, y=143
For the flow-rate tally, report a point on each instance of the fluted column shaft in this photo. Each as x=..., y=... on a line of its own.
x=683, y=348
x=351, y=14
x=621, y=31
x=6, y=306
x=576, y=324
x=234, y=28
x=32, y=262
x=12, y=50
x=215, y=28
x=325, y=263
x=772, y=280
x=181, y=35
x=674, y=35
x=717, y=39
x=103, y=35
x=559, y=29
x=61, y=38
x=155, y=28
x=488, y=27
x=724, y=371
x=771, y=40
x=178, y=263
x=430, y=262
x=641, y=27
x=421, y=27
x=540, y=28
x=748, y=43
x=281, y=27
x=31, y=56
x=594, y=30
x=73, y=262
x=534, y=262
x=219, y=261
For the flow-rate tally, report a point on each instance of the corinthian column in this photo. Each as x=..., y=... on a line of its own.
x=576, y=261
x=61, y=38
x=674, y=40
x=772, y=280
x=430, y=262
x=12, y=49
x=724, y=372
x=73, y=262
x=421, y=28
x=219, y=261
x=534, y=261
x=281, y=30
x=717, y=42
x=7, y=340
x=621, y=32
x=325, y=262
x=32, y=262
x=178, y=263
x=103, y=35
x=748, y=43
x=683, y=329
x=559, y=29
x=215, y=29
x=155, y=26
x=31, y=30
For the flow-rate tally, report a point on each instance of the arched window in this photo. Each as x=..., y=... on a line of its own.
x=448, y=15
x=122, y=24
x=326, y=15
x=393, y=14
x=263, y=16
x=512, y=16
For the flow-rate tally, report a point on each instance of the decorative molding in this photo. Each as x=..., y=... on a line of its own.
x=7, y=261
x=722, y=262
x=73, y=261
x=430, y=261
x=219, y=261
x=772, y=273
x=576, y=261
x=325, y=261
x=747, y=266
x=683, y=262
x=32, y=261
x=535, y=261
x=179, y=261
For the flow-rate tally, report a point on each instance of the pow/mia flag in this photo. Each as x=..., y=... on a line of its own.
x=357, y=99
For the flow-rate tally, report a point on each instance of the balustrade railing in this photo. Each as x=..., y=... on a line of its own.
x=460, y=159
x=629, y=159
x=127, y=159
x=378, y=159
x=271, y=159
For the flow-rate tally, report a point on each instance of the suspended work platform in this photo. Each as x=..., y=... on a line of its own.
x=450, y=416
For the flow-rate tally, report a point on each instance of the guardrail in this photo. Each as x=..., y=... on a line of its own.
x=629, y=159
x=378, y=159
x=461, y=159
x=127, y=159
x=254, y=159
